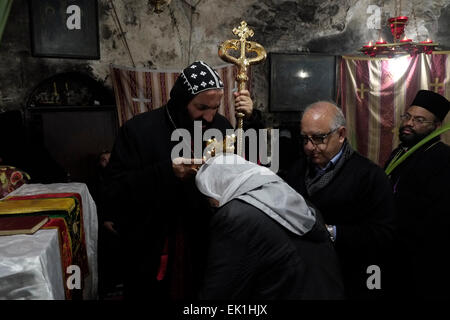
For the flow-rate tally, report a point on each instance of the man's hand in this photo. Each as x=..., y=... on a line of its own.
x=186, y=168
x=243, y=103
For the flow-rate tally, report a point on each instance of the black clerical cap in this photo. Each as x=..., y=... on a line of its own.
x=433, y=102
x=195, y=78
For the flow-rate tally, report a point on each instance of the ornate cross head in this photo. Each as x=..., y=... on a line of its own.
x=243, y=31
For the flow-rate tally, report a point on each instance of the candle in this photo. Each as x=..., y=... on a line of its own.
x=405, y=40
x=381, y=41
x=427, y=41
x=369, y=45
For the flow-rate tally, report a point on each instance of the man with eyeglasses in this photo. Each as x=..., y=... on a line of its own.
x=352, y=193
x=419, y=170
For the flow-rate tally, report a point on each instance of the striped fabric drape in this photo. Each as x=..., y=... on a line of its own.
x=375, y=92
x=138, y=90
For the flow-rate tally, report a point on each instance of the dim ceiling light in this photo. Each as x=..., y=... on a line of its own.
x=303, y=74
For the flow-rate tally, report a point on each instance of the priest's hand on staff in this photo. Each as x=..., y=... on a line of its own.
x=243, y=103
x=184, y=168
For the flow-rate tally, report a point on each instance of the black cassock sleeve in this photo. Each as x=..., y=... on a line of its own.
x=132, y=180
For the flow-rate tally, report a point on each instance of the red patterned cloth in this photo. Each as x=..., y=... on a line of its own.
x=375, y=92
x=70, y=227
x=11, y=178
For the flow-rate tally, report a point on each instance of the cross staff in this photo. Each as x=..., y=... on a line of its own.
x=243, y=32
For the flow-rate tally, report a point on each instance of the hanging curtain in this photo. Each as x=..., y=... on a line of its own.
x=138, y=90
x=376, y=91
x=5, y=7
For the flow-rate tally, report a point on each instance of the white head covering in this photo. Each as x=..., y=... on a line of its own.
x=228, y=176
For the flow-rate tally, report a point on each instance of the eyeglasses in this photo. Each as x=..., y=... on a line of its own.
x=317, y=138
x=416, y=120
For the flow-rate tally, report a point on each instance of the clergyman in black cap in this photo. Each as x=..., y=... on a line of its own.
x=420, y=178
x=158, y=212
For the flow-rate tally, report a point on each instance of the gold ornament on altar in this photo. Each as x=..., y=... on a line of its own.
x=242, y=62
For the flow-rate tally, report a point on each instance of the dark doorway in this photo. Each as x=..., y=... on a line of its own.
x=75, y=118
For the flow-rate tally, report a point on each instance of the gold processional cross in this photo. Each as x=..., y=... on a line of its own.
x=243, y=62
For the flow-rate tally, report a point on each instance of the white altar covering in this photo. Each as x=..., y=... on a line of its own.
x=90, y=229
x=30, y=266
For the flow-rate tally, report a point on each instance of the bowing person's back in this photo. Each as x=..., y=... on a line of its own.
x=265, y=242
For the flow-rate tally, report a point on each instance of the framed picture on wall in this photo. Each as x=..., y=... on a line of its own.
x=297, y=80
x=64, y=29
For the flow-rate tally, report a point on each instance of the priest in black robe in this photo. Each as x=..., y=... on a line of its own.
x=422, y=197
x=352, y=193
x=152, y=200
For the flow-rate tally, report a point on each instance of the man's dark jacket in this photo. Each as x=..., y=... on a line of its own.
x=359, y=202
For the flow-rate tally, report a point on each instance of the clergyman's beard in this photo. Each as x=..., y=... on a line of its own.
x=205, y=124
x=413, y=138
x=187, y=123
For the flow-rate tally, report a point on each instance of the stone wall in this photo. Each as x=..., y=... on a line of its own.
x=188, y=30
